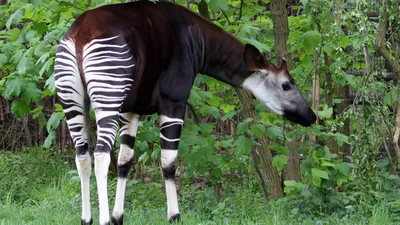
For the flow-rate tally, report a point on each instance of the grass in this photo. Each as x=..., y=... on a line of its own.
x=43, y=190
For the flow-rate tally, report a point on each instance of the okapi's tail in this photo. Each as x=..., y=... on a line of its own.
x=86, y=116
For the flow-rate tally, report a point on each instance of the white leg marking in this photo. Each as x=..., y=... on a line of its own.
x=83, y=164
x=119, y=198
x=125, y=154
x=167, y=158
x=101, y=164
x=172, y=198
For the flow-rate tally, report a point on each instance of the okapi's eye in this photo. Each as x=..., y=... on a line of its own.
x=286, y=86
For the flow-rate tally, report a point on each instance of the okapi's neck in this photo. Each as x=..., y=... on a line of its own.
x=222, y=56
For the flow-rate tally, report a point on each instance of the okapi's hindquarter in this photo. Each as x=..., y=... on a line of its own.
x=139, y=58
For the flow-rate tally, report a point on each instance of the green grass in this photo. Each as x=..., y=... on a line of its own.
x=48, y=192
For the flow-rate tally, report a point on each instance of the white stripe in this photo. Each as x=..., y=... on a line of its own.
x=172, y=124
x=99, y=40
x=164, y=119
x=167, y=139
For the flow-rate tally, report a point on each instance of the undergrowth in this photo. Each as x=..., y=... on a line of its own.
x=39, y=188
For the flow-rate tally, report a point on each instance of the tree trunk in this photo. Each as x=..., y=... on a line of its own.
x=27, y=131
x=342, y=92
x=394, y=64
x=281, y=29
x=291, y=171
x=281, y=34
x=265, y=153
x=330, y=143
x=259, y=174
x=316, y=90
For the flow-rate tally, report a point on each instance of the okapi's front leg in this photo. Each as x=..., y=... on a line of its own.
x=128, y=127
x=170, y=131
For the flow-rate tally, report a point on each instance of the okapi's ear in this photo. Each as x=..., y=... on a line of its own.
x=254, y=59
x=283, y=64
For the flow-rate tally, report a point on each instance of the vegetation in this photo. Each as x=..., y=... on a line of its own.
x=234, y=156
x=31, y=197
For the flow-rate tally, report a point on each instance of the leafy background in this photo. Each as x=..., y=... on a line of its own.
x=347, y=163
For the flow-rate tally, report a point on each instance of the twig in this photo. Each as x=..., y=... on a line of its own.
x=226, y=17
x=387, y=152
x=74, y=6
x=240, y=11
x=191, y=107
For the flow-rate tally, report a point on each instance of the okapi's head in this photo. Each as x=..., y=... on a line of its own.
x=276, y=88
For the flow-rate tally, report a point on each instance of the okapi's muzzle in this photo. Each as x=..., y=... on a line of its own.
x=306, y=118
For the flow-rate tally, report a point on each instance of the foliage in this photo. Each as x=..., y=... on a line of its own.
x=330, y=183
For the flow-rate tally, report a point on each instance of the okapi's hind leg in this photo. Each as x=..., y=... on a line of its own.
x=70, y=91
x=128, y=127
x=170, y=130
x=108, y=67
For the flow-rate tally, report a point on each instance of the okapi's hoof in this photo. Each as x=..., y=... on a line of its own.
x=118, y=221
x=90, y=222
x=175, y=218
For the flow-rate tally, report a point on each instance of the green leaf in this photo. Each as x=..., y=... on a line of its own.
x=326, y=113
x=14, y=18
x=316, y=181
x=317, y=173
x=155, y=154
x=257, y=130
x=260, y=46
x=390, y=98
x=344, y=168
x=40, y=27
x=31, y=93
x=54, y=121
x=49, y=140
x=51, y=84
x=275, y=132
x=216, y=5
x=277, y=147
x=20, y=108
x=26, y=63
x=37, y=112
x=228, y=115
x=243, y=127
x=13, y=87
x=3, y=59
x=328, y=164
x=344, y=41
x=243, y=145
x=305, y=192
x=214, y=101
x=279, y=161
x=144, y=157
x=13, y=34
x=227, y=108
x=310, y=40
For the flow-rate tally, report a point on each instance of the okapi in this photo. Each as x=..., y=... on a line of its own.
x=141, y=58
